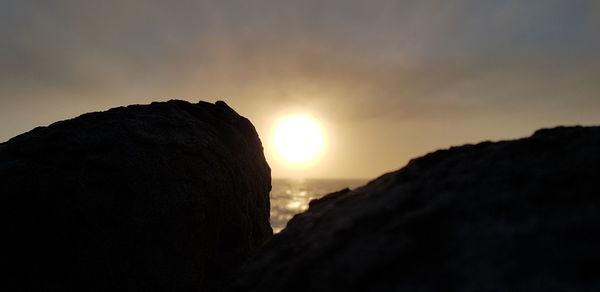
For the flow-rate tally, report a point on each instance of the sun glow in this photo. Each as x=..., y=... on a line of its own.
x=298, y=139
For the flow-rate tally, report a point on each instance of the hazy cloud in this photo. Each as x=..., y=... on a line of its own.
x=372, y=62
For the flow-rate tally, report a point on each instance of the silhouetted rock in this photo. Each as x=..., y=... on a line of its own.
x=170, y=196
x=519, y=215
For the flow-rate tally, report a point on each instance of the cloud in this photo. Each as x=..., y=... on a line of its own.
x=361, y=64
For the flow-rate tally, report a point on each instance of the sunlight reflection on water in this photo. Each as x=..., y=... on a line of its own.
x=291, y=196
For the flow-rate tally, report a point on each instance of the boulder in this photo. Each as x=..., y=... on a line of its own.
x=170, y=196
x=520, y=215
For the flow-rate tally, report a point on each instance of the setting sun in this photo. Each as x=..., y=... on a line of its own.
x=298, y=139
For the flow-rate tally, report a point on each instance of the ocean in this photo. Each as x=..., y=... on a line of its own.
x=291, y=196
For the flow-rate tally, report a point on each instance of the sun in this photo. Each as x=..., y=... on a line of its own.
x=298, y=139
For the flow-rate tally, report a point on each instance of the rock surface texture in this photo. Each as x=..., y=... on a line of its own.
x=171, y=196
x=519, y=215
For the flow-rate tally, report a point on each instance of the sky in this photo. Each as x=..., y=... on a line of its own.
x=387, y=80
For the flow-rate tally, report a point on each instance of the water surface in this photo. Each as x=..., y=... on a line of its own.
x=291, y=196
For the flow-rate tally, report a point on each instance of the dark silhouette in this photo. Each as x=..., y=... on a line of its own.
x=170, y=196
x=519, y=215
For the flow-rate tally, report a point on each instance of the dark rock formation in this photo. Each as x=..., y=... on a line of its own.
x=170, y=196
x=519, y=215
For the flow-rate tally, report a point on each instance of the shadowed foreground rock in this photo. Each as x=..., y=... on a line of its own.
x=518, y=215
x=170, y=196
